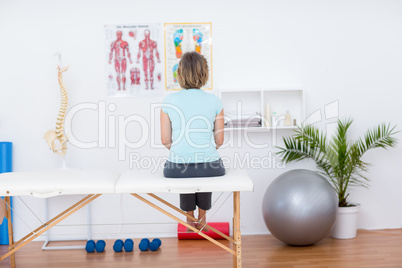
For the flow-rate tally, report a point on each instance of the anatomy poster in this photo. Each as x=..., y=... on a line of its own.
x=181, y=38
x=134, y=56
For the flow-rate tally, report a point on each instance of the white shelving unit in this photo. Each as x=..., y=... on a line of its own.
x=255, y=100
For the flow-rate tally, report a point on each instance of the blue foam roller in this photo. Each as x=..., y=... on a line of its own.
x=118, y=245
x=100, y=246
x=155, y=244
x=6, y=165
x=128, y=245
x=90, y=246
x=144, y=244
x=4, y=226
x=6, y=157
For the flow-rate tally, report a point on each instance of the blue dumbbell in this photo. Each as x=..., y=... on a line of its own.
x=118, y=245
x=100, y=246
x=155, y=244
x=128, y=245
x=143, y=246
x=90, y=246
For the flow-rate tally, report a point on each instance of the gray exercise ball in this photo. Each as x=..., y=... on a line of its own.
x=299, y=207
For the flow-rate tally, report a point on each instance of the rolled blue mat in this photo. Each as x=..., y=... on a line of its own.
x=6, y=155
x=6, y=165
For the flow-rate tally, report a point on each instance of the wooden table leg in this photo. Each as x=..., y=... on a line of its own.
x=191, y=217
x=10, y=231
x=71, y=210
x=184, y=223
x=236, y=230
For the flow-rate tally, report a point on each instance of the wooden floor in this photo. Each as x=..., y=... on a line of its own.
x=377, y=249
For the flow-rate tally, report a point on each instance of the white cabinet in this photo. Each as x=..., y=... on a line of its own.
x=271, y=105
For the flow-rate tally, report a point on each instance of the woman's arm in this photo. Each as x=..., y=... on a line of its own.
x=166, y=130
x=218, y=129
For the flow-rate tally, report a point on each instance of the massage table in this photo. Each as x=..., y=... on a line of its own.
x=51, y=183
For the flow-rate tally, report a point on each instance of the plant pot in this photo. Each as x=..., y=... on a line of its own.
x=346, y=222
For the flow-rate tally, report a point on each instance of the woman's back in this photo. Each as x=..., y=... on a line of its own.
x=192, y=113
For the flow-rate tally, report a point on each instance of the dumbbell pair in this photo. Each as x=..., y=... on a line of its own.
x=128, y=245
x=153, y=246
x=91, y=246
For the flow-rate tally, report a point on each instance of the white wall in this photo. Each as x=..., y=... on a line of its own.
x=335, y=50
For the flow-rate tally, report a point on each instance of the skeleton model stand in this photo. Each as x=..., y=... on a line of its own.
x=51, y=136
x=57, y=142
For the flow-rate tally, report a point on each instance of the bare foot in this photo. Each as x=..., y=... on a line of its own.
x=202, y=226
x=188, y=230
x=192, y=223
x=202, y=220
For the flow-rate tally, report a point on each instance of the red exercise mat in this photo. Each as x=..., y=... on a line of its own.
x=221, y=226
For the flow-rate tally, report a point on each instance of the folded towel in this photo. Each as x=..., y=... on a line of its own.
x=242, y=115
x=248, y=119
x=251, y=122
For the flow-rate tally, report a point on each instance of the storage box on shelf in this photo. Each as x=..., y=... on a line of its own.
x=271, y=105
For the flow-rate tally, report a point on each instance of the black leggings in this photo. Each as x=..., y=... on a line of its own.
x=189, y=202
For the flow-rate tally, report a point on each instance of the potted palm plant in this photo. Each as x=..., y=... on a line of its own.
x=339, y=160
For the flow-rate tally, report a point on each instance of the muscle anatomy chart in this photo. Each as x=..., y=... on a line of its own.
x=183, y=37
x=134, y=56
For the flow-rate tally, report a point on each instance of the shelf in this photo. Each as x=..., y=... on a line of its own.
x=279, y=101
x=234, y=101
x=260, y=129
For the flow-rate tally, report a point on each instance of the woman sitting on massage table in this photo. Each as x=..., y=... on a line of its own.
x=192, y=129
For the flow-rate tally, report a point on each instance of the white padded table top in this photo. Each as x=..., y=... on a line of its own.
x=73, y=181
x=57, y=182
x=144, y=181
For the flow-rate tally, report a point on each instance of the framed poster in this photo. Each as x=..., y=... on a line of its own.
x=181, y=38
x=134, y=59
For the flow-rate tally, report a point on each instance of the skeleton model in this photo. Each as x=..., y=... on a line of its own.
x=51, y=136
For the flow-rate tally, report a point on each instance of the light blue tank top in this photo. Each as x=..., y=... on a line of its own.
x=192, y=113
